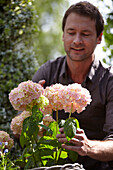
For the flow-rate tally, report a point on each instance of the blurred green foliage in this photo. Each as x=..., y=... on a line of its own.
x=48, y=42
x=108, y=35
x=17, y=58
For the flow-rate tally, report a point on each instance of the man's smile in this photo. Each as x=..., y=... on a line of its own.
x=77, y=49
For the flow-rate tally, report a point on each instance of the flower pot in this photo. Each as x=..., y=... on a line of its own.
x=55, y=167
x=75, y=166
x=39, y=168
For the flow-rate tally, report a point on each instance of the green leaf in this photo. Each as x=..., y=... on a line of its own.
x=49, y=141
x=37, y=114
x=20, y=163
x=50, y=162
x=48, y=130
x=34, y=109
x=73, y=155
x=23, y=139
x=37, y=155
x=46, y=152
x=29, y=163
x=60, y=154
x=63, y=154
x=54, y=127
x=26, y=123
x=70, y=128
x=30, y=129
x=27, y=155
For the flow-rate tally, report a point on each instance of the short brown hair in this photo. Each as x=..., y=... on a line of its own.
x=86, y=9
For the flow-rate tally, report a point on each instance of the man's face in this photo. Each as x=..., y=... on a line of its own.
x=80, y=37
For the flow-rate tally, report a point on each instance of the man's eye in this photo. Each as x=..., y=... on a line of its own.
x=85, y=34
x=71, y=33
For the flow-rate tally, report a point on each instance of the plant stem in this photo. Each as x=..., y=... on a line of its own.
x=57, y=121
x=59, y=154
x=71, y=110
x=56, y=133
x=56, y=155
x=57, y=115
x=33, y=155
x=33, y=139
x=3, y=161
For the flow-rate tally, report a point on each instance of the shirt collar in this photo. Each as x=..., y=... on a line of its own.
x=93, y=69
x=91, y=73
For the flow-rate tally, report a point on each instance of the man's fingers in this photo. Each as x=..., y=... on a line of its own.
x=42, y=82
x=60, y=135
x=76, y=142
x=61, y=130
x=61, y=138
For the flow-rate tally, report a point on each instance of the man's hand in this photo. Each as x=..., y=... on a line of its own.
x=99, y=150
x=80, y=141
x=42, y=82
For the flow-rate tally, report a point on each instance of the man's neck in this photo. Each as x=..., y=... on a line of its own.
x=79, y=70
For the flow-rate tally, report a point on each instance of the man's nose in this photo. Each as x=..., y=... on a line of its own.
x=77, y=39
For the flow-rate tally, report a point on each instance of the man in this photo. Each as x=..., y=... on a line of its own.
x=82, y=31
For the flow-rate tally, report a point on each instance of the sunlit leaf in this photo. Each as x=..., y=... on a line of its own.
x=70, y=128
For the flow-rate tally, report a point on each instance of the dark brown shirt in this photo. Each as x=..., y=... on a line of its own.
x=97, y=119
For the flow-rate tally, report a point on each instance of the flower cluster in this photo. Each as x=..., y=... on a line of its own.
x=24, y=94
x=72, y=97
x=5, y=138
x=75, y=98
x=17, y=122
x=41, y=102
x=47, y=110
x=23, y=98
x=53, y=94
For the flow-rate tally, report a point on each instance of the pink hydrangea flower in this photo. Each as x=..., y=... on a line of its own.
x=62, y=97
x=47, y=110
x=52, y=93
x=77, y=95
x=23, y=95
x=4, y=137
x=17, y=122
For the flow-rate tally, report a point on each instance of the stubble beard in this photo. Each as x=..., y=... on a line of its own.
x=72, y=58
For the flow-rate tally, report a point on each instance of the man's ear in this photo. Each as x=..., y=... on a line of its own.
x=99, y=39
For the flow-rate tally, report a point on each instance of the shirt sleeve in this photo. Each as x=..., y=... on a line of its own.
x=108, y=127
x=42, y=73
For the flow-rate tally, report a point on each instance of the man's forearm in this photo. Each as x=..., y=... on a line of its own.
x=100, y=150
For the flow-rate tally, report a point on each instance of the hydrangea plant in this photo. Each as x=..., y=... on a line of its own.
x=35, y=125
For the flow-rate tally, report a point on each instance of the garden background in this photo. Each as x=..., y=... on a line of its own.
x=31, y=34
